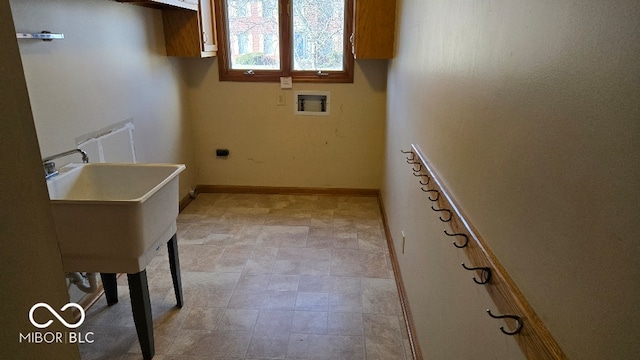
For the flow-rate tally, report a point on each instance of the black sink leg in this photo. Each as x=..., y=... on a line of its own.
x=174, y=264
x=141, y=307
x=110, y=285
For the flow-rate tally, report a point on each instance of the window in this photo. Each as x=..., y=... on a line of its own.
x=263, y=40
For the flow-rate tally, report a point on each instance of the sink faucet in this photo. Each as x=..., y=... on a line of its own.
x=50, y=167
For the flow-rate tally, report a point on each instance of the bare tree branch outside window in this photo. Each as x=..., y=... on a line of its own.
x=318, y=32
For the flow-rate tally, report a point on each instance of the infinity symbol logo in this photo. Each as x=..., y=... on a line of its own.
x=54, y=313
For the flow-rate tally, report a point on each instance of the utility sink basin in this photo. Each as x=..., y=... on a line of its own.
x=112, y=218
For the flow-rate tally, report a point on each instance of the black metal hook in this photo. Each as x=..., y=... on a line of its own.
x=518, y=320
x=447, y=210
x=427, y=183
x=466, y=239
x=419, y=168
x=408, y=152
x=410, y=161
x=417, y=174
x=486, y=274
x=432, y=190
x=428, y=190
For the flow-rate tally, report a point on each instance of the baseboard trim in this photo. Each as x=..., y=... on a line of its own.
x=416, y=353
x=285, y=190
x=184, y=202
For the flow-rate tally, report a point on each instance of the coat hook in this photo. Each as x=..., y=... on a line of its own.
x=419, y=168
x=486, y=274
x=447, y=210
x=429, y=191
x=417, y=174
x=466, y=239
x=427, y=183
x=514, y=317
x=410, y=161
x=408, y=152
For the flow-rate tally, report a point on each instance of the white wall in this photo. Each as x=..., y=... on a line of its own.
x=269, y=146
x=529, y=112
x=110, y=67
x=28, y=242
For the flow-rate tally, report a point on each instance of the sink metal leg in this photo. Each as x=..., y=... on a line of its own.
x=141, y=307
x=140, y=301
x=174, y=264
x=109, y=283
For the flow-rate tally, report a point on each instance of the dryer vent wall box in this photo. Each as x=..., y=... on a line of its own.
x=312, y=102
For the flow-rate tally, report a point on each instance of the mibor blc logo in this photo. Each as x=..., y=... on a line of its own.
x=56, y=337
x=54, y=313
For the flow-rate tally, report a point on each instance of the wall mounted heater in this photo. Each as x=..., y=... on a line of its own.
x=312, y=102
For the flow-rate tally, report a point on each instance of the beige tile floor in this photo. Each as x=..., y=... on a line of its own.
x=266, y=277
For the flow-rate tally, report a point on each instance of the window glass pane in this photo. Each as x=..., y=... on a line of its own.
x=318, y=34
x=253, y=34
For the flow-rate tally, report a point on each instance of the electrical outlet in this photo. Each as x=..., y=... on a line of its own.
x=280, y=99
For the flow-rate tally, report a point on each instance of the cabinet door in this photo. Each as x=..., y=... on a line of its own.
x=208, y=26
x=190, y=33
x=373, y=29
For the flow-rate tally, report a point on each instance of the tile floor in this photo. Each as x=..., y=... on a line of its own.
x=266, y=277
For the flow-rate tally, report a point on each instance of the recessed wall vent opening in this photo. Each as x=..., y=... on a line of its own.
x=312, y=102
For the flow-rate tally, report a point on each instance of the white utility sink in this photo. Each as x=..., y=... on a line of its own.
x=111, y=218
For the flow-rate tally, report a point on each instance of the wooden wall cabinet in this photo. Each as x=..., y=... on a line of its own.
x=374, y=23
x=191, y=33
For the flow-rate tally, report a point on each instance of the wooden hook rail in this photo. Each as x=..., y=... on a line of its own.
x=529, y=331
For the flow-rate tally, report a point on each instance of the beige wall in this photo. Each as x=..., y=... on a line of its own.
x=109, y=68
x=529, y=112
x=27, y=235
x=271, y=147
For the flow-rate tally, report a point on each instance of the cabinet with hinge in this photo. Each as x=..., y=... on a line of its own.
x=374, y=23
x=191, y=33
